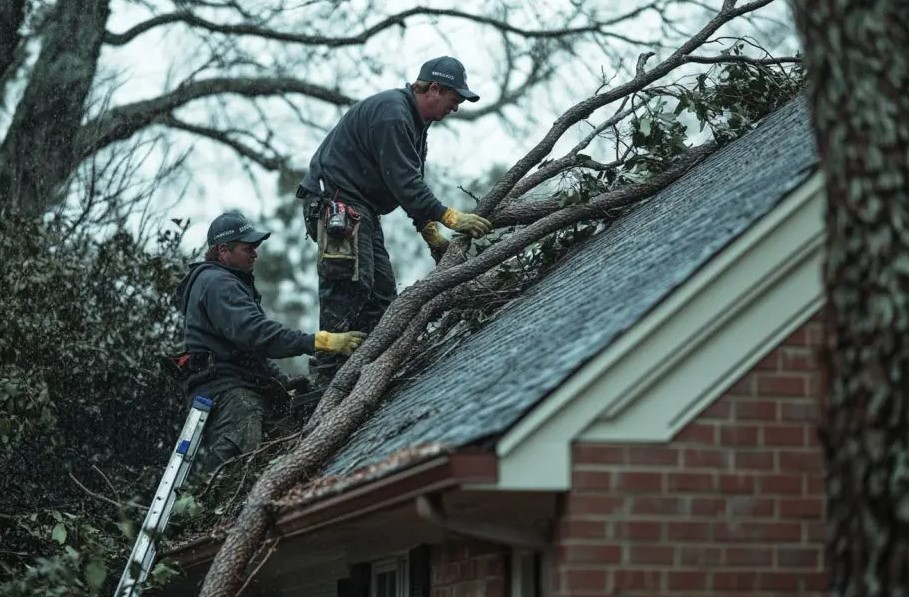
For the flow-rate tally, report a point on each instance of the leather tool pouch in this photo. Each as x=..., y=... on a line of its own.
x=338, y=228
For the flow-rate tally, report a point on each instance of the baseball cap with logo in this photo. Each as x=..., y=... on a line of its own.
x=449, y=72
x=232, y=226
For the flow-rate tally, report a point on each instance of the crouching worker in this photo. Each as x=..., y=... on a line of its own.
x=229, y=341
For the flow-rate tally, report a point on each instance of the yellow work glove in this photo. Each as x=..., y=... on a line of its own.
x=343, y=343
x=472, y=224
x=438, y=244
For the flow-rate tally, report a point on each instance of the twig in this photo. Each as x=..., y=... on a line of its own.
x=103, y=498
x=271, y=550
x=109, y=484
x=472, y=196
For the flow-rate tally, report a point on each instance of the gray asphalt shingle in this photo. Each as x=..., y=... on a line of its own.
x=602, y=290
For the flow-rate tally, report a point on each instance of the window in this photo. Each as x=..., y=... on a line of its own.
x=389, y=578
x=526, y=573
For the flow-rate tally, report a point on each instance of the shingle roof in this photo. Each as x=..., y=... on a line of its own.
x=495, y=376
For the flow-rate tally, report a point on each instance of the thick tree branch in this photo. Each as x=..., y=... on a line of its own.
x=120, y=123
x=341, y=411
x=395, y=20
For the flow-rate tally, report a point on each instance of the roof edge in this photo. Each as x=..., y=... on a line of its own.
x=441, y=473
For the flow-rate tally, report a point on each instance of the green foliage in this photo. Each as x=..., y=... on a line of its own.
x=82, y=400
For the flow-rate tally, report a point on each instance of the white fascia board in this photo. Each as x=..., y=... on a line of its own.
x=686, y=352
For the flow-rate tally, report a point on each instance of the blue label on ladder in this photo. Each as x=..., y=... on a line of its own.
x=183, y=447
x=202, y=403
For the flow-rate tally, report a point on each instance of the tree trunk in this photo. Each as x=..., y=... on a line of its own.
x=11, y=16
x=37, y=155
x=857, y=54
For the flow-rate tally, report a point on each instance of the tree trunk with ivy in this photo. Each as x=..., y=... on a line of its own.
x=857, y=54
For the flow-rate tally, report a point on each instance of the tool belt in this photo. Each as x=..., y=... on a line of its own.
x=335, y=226
x=193, y=368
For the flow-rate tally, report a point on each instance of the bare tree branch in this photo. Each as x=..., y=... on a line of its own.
x=122, y=122
x=723, y=59
x=395, y=20
x=273, y=162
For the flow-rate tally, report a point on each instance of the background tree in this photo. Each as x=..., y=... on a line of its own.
x=858, y=64
x=650, y=151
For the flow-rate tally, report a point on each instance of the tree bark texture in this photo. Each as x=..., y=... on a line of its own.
x=37, y=155
x=857, y=53
x=12, y=13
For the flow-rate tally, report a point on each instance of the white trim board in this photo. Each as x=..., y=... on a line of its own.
x=679, y=358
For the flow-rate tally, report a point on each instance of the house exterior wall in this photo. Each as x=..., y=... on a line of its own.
x=732, y=505
x=468, y=569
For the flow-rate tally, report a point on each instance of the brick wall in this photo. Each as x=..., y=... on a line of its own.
x=468, y=569
x=733, y=505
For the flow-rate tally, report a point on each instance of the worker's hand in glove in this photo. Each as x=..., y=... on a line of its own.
x=472, y=224
x=438, y=244
x=343, y=343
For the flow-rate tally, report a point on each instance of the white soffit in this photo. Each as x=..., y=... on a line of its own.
x=679, y=358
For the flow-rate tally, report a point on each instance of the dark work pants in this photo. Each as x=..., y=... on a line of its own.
x=355, y=305
x=234, y=427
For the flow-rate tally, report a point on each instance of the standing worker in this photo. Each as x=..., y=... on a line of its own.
x=229, y=340
x=371, y=163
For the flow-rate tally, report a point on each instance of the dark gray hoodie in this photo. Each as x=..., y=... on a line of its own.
x=375, y=156
x=223, y=315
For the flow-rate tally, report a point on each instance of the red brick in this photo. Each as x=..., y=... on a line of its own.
x=771, y=362
x=782, y=384
x=708, y=506
x=745, y=386
x=739, y=435
x=637, y=580
x=640, y=481
x=780, y=484
x=758, y=531
x=591, y=480
x=590, y=554
x=495, y=587
x=705, y=458
x=687, y=580
x=653, y=456
x=798, y=557
x=697, y=433
x=783, y=435
x=638, y=530
x=732, y=483
x=720, y=410
x=756, y=410
x=656, y=505
x=815, y=485
x=802, y=508
x=582, y=529
x=797, y=338
x=688, y=531
x=598, y=454
x=815, y=581
x=762, y=460
x=800, y=460
x=651, y=554
x=798, y=359
x=492, y=565
x=581, y=504
x=778, y=581
x=584, y=580
x=700, y=556
x=749, y=506
x=799, y=411
x=735, y=581
x=750, y=557
x=815, y=531
x=691, y=482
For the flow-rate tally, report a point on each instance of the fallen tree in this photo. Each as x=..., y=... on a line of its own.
x=656, y=157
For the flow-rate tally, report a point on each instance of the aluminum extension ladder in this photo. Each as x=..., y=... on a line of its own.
x=143, y=554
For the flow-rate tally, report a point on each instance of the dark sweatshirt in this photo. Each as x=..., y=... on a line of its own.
x=375, y=156
x=223, y=315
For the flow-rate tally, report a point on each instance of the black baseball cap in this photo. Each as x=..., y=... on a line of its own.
x=450, y=72
x=232, y=226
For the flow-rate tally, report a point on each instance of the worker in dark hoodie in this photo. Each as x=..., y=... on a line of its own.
x=230, y=341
